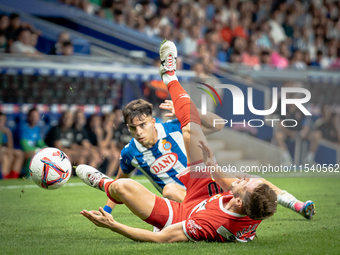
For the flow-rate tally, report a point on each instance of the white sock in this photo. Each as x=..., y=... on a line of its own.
x=287, y=200
x=168, y=78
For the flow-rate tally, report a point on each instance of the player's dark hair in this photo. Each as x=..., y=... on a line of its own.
x=261, y=203
x=138, y=108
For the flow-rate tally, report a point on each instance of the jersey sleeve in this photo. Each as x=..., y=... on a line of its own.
x=125, y=161
x=238, y=231
x=173, y=125
x=198, y=229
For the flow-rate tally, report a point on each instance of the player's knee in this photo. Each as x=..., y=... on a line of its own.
x=19, y=153
x=174, y=192
x=120, y=186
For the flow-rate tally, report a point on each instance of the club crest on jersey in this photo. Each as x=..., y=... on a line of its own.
x=166, y=145
x=164, y=163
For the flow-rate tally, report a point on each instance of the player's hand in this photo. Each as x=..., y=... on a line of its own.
x=207, y=154
x=99, y=218
x=169, y=106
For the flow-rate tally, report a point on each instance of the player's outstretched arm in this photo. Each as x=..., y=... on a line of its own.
x=223, y=179
x=207, y=120
x=173, y=233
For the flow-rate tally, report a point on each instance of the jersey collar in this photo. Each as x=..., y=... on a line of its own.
x=226, y=211
x=160, y=135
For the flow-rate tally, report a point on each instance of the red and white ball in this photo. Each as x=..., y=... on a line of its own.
x=50, y=168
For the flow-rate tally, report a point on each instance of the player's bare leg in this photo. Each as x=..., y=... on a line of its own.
x=5, y=160
x=17, y=163
x=174, y=192
x=134, y=195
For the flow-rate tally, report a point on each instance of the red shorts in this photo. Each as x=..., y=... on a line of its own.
x=167, y=212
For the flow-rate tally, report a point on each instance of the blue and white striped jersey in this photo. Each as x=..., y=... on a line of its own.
x=161, y=163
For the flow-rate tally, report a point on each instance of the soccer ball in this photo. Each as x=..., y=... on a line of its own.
x=50, y=168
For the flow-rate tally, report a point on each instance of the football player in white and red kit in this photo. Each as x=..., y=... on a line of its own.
x=231, y=216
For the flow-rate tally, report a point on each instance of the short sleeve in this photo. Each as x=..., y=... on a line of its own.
x=173, y=125
x=197, y=229
x=125, y=162
x=22, y=132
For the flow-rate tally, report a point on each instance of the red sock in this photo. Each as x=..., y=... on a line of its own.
x=14, y=175
x=106, y=189
x=6, y=176
x=185, y=108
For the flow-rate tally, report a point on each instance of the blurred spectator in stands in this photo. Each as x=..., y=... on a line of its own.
x=234, y=29
x=88, y=7
x=320, y=44
x=238, y=47
x=141, y=24
x=118, y=17
x=263, y=36
x=166, y=32
x=301, y=130
x=108, y=145
x=63, y=37
x=298, y=61
x=304, y=42
x=280, y=59
x=306, y=58
x=330, y=129
x=67, y=48
x=152, y=27
x=13, y=28
x=155, y=91
x=276, y=30
x=101, y=138
x=251, y=57
x=336, y=63
x=34, y=38
x=3, y=42
x=317, y=61
x=91, y=154
x=288, y=25
x=4, y=23
x=29, y=134
x=265, y=58
x=199, y=70
x=100, y=13
x=63, y=137
x=326, y=127
x=109, y=7
x=11, y=159
x=94, y=130
x=122, y=135
x=23, y=44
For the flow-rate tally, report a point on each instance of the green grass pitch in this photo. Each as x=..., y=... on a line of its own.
x=37, y=221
